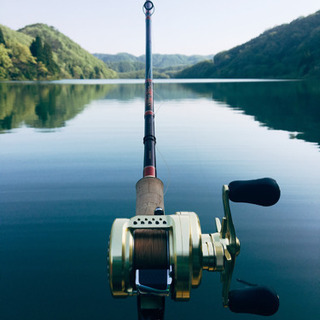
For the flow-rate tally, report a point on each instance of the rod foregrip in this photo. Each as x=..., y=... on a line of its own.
x=149, y=195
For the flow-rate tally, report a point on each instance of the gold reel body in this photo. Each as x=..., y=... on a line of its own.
x=190, y=252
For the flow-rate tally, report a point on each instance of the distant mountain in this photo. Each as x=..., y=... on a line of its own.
x=164, y=64
x=38, y=52
x=287, y=51
x=114, y=58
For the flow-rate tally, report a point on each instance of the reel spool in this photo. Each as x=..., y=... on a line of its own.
x=164, y=255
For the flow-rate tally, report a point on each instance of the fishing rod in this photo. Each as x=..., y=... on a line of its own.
x=149, y=169
x=153, y=255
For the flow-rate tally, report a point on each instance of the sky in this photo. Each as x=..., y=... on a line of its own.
x=178, y=26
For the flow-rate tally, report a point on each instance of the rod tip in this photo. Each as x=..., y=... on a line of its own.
x=148, y=7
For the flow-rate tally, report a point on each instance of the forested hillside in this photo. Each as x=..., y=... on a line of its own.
x=39, y=52
x=287, y=51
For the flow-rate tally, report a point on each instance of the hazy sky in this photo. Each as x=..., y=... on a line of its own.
x=179, y=26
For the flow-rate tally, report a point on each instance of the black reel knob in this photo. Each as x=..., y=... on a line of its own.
x=263, y=192
x=258, y=300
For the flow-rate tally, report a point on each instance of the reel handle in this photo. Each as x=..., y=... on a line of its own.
x=263, y=192
x=257, y=300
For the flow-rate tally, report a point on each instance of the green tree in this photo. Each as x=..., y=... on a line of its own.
x=2, y=41
x=5, y=62
x=48, y=59
x=36, y=48
x=23, y=62
x=43, y=53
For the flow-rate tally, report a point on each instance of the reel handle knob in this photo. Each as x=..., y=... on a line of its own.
x=263, y=192
x=255, y=300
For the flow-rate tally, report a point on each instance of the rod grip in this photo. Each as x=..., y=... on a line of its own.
x=149, y=192
x=257, y=300
x=263, y=192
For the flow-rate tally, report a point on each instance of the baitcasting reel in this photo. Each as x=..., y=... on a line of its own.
x=164, y=255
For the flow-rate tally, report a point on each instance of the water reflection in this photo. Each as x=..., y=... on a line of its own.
x=58, y=200
x=45, y=106
x=49, y=106
x=162, y=92
x=290, y=106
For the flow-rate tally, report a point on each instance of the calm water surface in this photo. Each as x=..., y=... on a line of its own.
x=71, y=153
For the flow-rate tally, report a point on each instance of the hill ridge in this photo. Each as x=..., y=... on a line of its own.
x=291, y=50
x=72, y=60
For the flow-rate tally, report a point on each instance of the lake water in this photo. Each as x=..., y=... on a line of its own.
x=71, y=153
